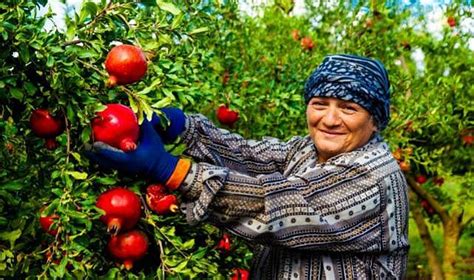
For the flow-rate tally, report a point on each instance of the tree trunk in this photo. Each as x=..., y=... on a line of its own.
x=452, y=231
x=433, y=261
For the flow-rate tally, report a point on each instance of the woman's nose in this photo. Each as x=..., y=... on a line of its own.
x=332, y=117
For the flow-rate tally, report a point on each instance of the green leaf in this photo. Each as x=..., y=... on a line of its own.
x=180, y=267
x=10, y=236
x=16, y=93
x=188, y=244
x=77, y=156
x=88, y=9
x=106, y=181
x=198, y=30
x=177, y=21
x=151, y=87
x=12, y=186
x=77, y=175
x=169, y=7
x=50, y=61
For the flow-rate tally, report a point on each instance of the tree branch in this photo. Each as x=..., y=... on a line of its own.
x=439, y=209
x=466, y=223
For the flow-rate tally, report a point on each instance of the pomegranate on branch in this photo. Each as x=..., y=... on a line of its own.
x=128, y=247
x=126, y=64
x=46, y=126
x=122, y=209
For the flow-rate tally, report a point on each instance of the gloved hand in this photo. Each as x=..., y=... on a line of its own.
x=150, y=159
x=177, y=122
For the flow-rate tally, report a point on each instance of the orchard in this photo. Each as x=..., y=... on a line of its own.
x=115, y=63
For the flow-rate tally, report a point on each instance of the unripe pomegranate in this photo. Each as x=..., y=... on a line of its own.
x=117, y=126
x=295, y=34
x=44, y=125
x=404, y=166
x=159, y=201
x=125, y=64
x=47, y=222
x=307, y=43
x=128, y=247
x=224, y=243
x=122, y=209
x=240, y=274
x=226, y=116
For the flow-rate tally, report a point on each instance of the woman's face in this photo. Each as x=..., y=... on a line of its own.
x=337, y=126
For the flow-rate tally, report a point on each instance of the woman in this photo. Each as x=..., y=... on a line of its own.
x=331, y=205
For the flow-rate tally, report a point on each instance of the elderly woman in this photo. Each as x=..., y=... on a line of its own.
x=331, y=205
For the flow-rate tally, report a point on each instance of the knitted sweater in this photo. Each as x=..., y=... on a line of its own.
x=346, y=218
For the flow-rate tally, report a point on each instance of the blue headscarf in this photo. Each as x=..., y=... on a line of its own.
x=353, y=78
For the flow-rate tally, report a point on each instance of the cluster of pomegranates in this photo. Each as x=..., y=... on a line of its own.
x=224, y=246
x=402, y=157
x=306, y=42
x=122, y=211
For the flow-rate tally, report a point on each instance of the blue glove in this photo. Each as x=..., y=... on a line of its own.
x=177, y=122
x=150, y=159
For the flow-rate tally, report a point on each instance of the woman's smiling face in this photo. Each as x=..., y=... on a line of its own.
x=338, y=126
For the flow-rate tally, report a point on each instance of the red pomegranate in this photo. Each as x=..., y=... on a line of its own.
x=224, y=243
x=227, y=116
x=240, y=274
x=128, y=247
x=451, y=21
x=117, y=126
x=421, y=179
x=47, y=222
x=307, y=43
x=46, y=126
x=159, y=201
x=122, y=209
x=125, y=64
x=428, y=208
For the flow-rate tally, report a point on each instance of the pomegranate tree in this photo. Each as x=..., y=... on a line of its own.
x=46, y=126
x=128, y=247
x=125, y=64
x=122, y=209
x=117, y=126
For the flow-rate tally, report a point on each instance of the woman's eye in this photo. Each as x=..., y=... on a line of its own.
x=317, y=103
x=350, y=109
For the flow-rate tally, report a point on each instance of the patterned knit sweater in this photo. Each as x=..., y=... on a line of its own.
x=346, y=218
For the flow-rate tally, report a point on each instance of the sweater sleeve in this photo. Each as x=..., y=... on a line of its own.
x=207, y=143
x=356, y=207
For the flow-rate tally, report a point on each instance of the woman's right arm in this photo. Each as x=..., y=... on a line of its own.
x=207, y=143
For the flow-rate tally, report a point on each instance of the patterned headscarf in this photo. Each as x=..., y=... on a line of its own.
x=353, y=78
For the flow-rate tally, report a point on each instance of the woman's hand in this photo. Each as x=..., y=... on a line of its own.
x=169, y=131
x=150, y=159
